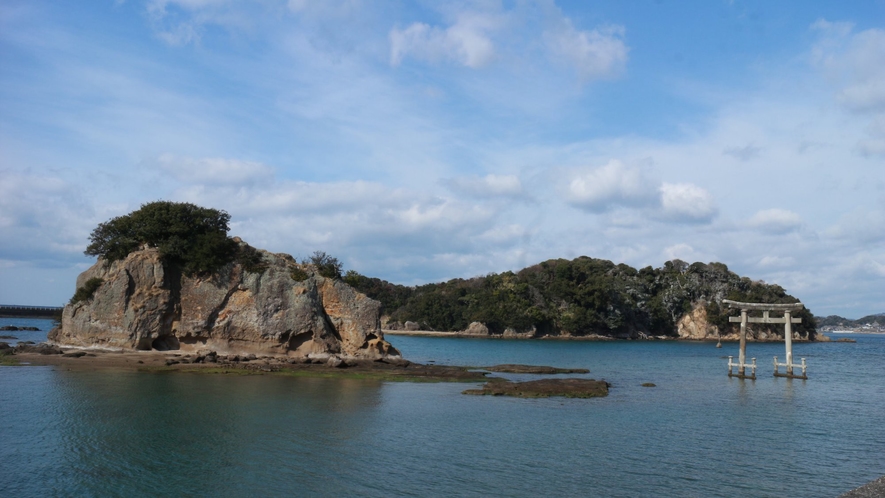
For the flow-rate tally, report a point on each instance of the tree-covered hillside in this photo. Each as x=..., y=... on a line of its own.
x=578, y=297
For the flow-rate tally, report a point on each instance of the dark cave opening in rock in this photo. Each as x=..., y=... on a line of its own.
x=166, y=343
x=295, y=341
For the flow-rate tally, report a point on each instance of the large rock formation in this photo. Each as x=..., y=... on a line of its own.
x=142, y=304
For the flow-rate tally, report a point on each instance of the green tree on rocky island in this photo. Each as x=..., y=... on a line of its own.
x=191, y=237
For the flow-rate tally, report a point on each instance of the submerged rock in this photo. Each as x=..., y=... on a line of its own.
x=569, y=388
x=534, y=369
x=42, y=348
x=144, y=304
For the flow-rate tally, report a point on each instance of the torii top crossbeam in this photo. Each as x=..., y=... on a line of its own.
x=763, y=306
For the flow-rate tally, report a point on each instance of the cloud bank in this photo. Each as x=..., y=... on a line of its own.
x=424, y=141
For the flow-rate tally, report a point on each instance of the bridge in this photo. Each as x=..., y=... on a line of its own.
x=15, y=310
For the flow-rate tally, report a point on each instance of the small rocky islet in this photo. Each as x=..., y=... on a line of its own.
x=544, y=388
x=13, y=328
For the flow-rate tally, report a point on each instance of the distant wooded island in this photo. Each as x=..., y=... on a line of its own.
x=584, y=296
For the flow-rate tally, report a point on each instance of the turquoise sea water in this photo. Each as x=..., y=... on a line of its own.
x=698, y=433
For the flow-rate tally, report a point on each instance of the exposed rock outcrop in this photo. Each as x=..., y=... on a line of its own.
x=694, y=325
x=144, y=304
x=569, y=388
x=478, y=329
x=533, y=369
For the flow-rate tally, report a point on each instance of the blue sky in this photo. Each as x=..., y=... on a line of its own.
x=422, y=141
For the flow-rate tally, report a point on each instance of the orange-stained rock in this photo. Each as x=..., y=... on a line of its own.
x=694, y=325
x=143, y=304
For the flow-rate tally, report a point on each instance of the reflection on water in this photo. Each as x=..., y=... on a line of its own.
x=699, y=433
x=132, y=434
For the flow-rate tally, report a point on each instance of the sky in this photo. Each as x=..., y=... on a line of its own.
x=420, y=141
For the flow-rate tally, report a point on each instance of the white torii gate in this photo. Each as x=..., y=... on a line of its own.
x=788, y=322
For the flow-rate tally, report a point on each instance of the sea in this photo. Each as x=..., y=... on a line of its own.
x=697, y=433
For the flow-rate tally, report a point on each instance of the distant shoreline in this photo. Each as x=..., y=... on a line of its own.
x=851, y=332
x=588, y=338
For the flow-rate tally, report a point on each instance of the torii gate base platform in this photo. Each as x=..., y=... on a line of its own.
x=742, y=369
x=788, y=322
x=790, y=373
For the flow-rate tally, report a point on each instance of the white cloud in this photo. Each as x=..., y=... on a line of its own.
x=213, y=171
x=595, y=54
x=505, y=235
x=859, y=227
x=685, y=202
x=864, y=264
x=346, y=217
x=466, y=42
x=182, y=22
x=487, y=186
x=298, y=5
x=744, y=154
x=863, y=61
x=854, y=63
x=871, y=147
x=614, y=184
x=776, y=261
x=684, y=252
x=875, y=144
x=43, y=218
x=775, y=220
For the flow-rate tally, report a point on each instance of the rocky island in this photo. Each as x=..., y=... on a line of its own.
x=168, y=278
x=143, y=304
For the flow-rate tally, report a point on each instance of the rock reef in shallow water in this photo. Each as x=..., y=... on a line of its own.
x=142, y=304
x=545, y=388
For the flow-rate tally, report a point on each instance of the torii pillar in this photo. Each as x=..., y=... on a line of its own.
x=788, y=322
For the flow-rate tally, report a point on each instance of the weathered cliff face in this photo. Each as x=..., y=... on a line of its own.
x=142, y=304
